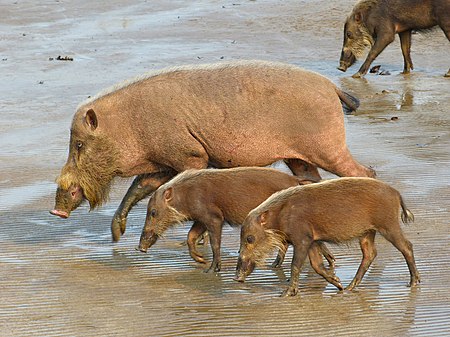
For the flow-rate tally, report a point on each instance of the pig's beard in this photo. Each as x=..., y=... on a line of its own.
x=171, y=217
x=274, y=240
x=359, y=45
x=94, y=176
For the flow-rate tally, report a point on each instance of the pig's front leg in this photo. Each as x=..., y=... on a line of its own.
x=383, y=39
x=300, y=252
x=142, y=186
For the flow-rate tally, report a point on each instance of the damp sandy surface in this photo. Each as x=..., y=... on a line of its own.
x=66, y=278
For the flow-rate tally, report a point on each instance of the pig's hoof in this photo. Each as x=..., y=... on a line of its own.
x=197, y=257
x=350, y=287
x=447, y=74
x=414, y=282
x=118, y=226
x=289, y=292
x=357, y=75
x=213, y=267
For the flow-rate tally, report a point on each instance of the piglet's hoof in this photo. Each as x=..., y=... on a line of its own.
x=289, y=292
x=357, y=75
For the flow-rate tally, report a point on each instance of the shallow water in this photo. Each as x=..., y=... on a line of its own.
x=65, y=277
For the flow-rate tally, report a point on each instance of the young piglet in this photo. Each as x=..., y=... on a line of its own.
x=210, y=197
x=335, y=211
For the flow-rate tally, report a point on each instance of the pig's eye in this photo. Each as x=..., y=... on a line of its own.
x=250, y=239
x=153, y=213
x=349, y=35
x=79, y=144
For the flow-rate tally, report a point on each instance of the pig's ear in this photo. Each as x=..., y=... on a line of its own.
x=168, y=194
x=358, y=17
x=262, y=218
x=91, y=119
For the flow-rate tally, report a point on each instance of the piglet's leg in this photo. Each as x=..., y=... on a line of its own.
x=396, y=237
x=315, y=258
x=326, y=253
x=300, y=252
x=280, y=257
x=367, y=243
x=195, y=232
x=142, y=186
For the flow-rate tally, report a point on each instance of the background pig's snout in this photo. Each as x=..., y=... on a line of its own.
x=347, y=60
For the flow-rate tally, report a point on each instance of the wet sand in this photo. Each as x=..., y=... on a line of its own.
x=65, y=277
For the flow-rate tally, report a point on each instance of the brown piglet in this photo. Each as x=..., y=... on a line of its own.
x=337, y=211
x=210, y=197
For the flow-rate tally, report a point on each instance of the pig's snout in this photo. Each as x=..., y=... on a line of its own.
x=243, y=269
x=148, y=239
x=347, y=60
x=61, y=214
x=67, y=200
x=342, y=67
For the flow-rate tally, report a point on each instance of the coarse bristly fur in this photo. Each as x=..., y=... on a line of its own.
x=200, y=67
x=95, y=180
x=172, y=217
x=273, y=240
x=358, y=46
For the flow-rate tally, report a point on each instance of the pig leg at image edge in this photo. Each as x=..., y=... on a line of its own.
x=142, y=186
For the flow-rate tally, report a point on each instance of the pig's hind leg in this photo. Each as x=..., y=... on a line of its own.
x=303, y=170
x=343, y=164
x=367, y=243
x=196, y=231
x=315, y=258
x=405, y=42
x=396, y=237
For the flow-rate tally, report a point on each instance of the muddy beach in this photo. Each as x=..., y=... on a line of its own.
x=66, y=278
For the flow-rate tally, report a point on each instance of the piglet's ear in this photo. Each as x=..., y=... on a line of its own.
x=168, y=194
x=262, y=218
x=91, y=119
x=358, y=17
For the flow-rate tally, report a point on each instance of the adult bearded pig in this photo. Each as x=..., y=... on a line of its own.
x=244, y=113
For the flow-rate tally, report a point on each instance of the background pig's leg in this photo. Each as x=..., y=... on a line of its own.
x=196, y=231
x=367, y=243
x=142, y=186
x=405, y=41
x=315, y=258
x=304, y=170
x=383, y=39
